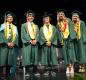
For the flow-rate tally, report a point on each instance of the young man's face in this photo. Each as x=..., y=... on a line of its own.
x=30, y=18
x=46, y=20
x=75, y=18
x=10, y=19
x=60, y=15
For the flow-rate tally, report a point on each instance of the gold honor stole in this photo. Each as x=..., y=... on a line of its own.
x=7, y=31
x=31, y=29
x=48, y=32
x=77, y=29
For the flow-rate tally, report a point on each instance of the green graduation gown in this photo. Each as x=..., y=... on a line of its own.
x=68, y=50
x=29, y=52
x=80, y=45
x=1, y=40
x=49, y=56
x=7, y=55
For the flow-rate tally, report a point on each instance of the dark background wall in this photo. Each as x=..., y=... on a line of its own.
x=19, y=7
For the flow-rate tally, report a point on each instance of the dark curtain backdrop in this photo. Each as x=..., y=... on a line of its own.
x=19, y=7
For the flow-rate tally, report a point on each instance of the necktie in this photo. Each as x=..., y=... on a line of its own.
x=9, y=26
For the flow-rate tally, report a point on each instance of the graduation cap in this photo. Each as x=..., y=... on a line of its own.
x=30, y=12
x=46, y=15
x=7, y=14
x=76, y=13
x=61, y=10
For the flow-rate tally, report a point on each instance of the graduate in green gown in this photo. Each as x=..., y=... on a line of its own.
x=80, y=42
x=9, y=43
x=66, y=39
x=48, y=42
x=30, y=39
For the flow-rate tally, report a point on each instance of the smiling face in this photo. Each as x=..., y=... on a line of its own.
x=30, y=18
x=9, y=19
x=60, y=16
x=46, y=20
x=75, y=18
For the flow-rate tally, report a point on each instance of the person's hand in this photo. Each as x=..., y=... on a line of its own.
x=10, y=44
x=33, y=42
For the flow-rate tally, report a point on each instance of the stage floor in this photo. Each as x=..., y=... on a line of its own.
x=60, y=75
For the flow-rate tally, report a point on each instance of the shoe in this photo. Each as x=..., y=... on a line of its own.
x=83, y=69
x=46, y=74
x=80, y=70
x=53, y=73
x=27, y=74
x=67, y=70
x=72, y=70
x=37, y=74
